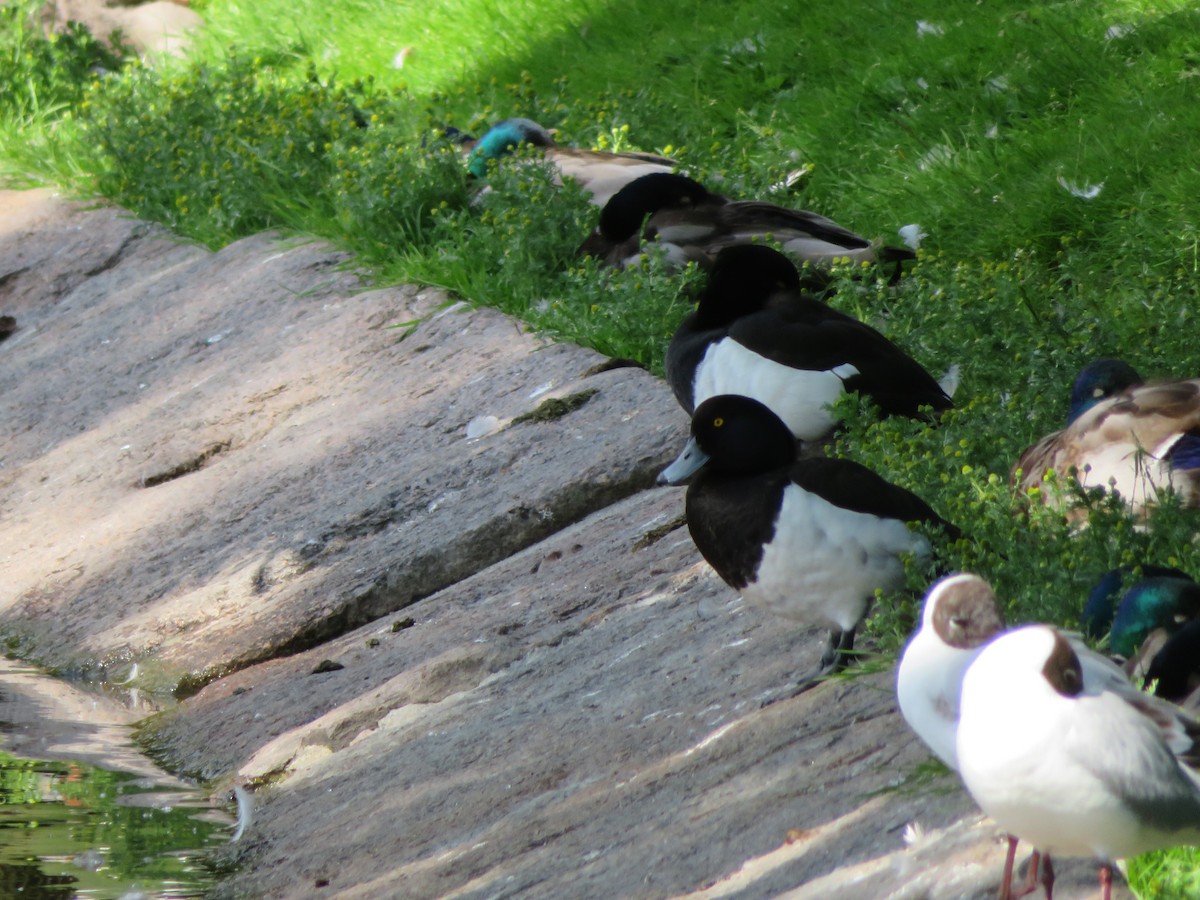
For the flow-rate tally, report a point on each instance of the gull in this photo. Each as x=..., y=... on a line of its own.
x=960, y=616
x=1058, y=747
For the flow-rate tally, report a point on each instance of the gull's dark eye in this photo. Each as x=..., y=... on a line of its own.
x=1062, y=669
x=1070, y=680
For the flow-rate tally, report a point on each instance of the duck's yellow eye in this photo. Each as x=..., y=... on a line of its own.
x=1098, y=392
x=718, y=422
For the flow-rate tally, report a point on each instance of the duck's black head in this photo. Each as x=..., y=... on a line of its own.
x=735, y=435
x=502, y=137
x=1098, y=381
x=626, y=210
x=740, y=434
x=743, y=279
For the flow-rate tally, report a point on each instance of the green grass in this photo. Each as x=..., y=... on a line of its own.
x=294, y=116
x=1167, y=875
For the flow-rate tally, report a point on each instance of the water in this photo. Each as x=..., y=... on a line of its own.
x=70, y=830
x=82, y=813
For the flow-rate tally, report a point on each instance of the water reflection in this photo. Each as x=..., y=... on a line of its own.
x=99, y=820
x=69, y=830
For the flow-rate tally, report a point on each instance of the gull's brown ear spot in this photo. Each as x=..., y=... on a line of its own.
x=1062, y=669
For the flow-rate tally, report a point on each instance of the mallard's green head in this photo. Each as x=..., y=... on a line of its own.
x=1159, y=602
x=1102, y=602
x=501, y=138
x=1098, y=381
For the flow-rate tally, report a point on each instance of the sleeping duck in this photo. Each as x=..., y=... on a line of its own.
x=758, y=333
x=693, y=225
x=1132, y=438
x=807, y=539
x=600, y=174
x=1152, y=622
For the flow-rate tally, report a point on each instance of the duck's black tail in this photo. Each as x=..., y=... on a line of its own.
x=895, y=257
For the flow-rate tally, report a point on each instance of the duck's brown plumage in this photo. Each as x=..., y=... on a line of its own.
x=603, y=174
x=694, y=225
x=1130, y=443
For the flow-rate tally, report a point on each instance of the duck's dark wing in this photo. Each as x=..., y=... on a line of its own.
x=853, y=486
x=757, y=216
x=696, y=225
x=633, y=155
x=609, y=252
x=811, y=335
x=1176, y=666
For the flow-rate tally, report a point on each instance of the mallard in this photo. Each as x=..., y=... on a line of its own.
x=1097, y=381
x=1128, y=609
x=599, y=173
x=1135, y=439
x=756, y=332
x=692, y=224
x=1154, y=625
x=807, y=539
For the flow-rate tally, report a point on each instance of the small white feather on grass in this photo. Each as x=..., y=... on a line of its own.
x=1082, y=191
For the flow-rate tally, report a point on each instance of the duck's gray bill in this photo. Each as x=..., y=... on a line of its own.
x=687, y=464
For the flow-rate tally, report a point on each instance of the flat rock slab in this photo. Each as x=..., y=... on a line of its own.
x=215, y=458
x=583, y=719
x=463, y=653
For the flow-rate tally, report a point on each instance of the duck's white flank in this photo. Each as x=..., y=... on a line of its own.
x=825, y=563
x=798, y=396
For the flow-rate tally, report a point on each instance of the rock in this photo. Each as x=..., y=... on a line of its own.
x=238, y=448
x=149, y=28
x=583, y=719
x=230, y=465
